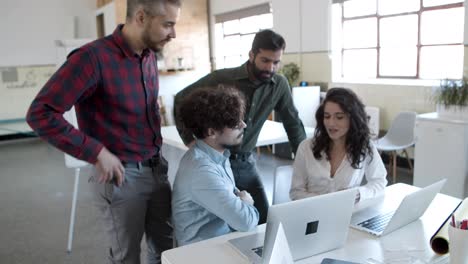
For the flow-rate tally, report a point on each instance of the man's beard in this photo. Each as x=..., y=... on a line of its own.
x=228, y=146
x=259, y=74
x=153, y=46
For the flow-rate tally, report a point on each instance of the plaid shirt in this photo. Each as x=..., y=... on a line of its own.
x=115, y=94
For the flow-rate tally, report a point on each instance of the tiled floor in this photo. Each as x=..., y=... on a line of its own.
x=35, y=200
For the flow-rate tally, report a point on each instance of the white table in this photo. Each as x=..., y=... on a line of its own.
x=411, y=241
x=272, y=133
x=15, y=126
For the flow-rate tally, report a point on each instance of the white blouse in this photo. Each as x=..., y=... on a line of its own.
x=311, y=177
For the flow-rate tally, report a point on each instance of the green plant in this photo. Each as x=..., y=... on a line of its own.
x=452, y=92
x=291, y=71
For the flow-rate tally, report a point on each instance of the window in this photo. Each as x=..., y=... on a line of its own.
x=234, y=33
x=405, y=39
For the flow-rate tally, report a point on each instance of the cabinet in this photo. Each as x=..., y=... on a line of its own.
x=109, y=15
x=441, y=151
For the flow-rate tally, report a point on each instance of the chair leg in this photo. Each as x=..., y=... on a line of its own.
x=390, y=163
x=394, y=160
x=73, y=209
x=408, y=159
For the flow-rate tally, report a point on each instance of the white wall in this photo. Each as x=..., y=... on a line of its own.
x=29, y=28
x=222, y=6
x=287, y=22
x=304, y=24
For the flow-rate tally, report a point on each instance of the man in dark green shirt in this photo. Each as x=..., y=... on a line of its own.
x=264, y=91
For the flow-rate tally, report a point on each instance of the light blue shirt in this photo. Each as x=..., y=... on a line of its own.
x=204, y=203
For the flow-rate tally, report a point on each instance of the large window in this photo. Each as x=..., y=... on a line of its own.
x=234, y=36
x=405, y=39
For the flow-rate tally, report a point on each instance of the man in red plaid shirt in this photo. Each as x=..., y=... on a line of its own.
x=113, y=84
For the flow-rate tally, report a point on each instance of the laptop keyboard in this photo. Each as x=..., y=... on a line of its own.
x=377, y=223
x=258, y=250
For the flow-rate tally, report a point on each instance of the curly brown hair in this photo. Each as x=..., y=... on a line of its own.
x=358, y=137
x=212, y=107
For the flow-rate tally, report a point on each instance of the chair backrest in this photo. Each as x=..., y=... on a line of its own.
x=401, y=131
x=70, y=161
x=282, y=184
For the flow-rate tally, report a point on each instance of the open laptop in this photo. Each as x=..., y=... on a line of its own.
x=384, y=218
x=280, y=252
x=312, y=226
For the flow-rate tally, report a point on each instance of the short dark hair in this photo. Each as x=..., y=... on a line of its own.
x=358, y=136
x=212, y=107
x=269, y=40
x=148, y=5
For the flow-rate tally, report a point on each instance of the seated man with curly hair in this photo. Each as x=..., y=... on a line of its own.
x=206, y=202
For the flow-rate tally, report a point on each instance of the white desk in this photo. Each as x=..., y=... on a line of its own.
x=409, y=242
x=272, y=133
x=15, y=126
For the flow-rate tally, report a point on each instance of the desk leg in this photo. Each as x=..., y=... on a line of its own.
x=73, y=209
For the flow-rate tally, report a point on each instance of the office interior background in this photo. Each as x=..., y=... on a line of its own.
x=392, y=55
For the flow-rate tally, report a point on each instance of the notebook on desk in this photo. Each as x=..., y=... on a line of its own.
x=380, y=220
x=309, y=224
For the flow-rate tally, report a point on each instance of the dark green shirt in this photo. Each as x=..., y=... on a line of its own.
x=262, y=98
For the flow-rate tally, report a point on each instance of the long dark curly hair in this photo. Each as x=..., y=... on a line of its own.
x=358, y=137
x=212, y=107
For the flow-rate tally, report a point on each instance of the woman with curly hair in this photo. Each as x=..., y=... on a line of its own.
x=341, y=153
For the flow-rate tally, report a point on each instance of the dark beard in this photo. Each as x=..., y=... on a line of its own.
x=230, y=146
x=159, y=54
x=257, y=73
x=149, y=44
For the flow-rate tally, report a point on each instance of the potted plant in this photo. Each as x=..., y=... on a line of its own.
x=451, y=98
x=291, y=71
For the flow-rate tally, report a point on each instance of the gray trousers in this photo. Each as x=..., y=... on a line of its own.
x=247, y=178
x=142, y=205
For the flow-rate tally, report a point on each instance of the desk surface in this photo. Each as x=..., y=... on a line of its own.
x=408, y=243
x=15, y=126
x=272, y=133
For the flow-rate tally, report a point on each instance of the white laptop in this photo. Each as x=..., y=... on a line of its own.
x=384, y=218
x=279, y=248
x=280, y=253
x=312, y=226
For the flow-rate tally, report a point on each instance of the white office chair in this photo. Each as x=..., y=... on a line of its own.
x=282, y=184
x=72, y=162
x=400, y=136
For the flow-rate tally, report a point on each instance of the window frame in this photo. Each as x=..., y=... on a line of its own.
x=378, y=47
x=239, y=33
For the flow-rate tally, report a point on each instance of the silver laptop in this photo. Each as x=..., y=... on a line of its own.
x=384, y=218
x=312, y=226
x=280, y=251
